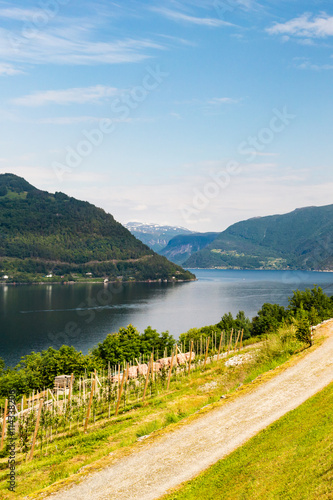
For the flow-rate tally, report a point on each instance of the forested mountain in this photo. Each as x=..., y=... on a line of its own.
x=302, y=239
x=43, y=234
x=181, y=247
x=154, y=235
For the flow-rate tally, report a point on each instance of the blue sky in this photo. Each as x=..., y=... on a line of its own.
x=191, y=113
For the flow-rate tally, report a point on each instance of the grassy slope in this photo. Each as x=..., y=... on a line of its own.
x=64, y=457
x=291, y=459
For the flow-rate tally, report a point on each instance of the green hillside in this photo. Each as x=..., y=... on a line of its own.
x=181, y=247
x=302, y=239
x=43, y=234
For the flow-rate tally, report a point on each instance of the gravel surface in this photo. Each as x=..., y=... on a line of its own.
x=179, y=455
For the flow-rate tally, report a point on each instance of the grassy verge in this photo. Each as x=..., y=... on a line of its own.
x=66, y=455
x=291, y=459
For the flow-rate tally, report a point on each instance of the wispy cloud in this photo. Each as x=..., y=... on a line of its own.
x=219, y=101
x=177, y=16
x=9, y=70
x=305, y=26
x=67, y=120
x=18, y=14
x=68, y=96
x=314, y=67
x=59, y=47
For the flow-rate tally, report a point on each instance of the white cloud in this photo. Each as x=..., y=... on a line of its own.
x=217, y=101
x=9, y=70
x=314, y=67
x=68, y=44
x=67, y=96
x=17, y=14
x=180, y=17
x=67, y=120
x=248, y=194
x=305, y=26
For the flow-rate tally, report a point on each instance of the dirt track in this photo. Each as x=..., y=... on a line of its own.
x=181, y=454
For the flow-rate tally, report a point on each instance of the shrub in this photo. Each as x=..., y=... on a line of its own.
x=303, y=331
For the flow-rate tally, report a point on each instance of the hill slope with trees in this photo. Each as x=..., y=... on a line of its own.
x=181, y=247
x=302, y=239
x=43, y=234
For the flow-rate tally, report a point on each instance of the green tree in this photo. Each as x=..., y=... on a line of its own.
x=268, y=319
x=314, y=301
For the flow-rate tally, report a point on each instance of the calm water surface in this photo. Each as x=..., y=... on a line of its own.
x=32, y=318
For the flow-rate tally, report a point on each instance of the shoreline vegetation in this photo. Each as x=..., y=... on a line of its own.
x=125, y=410
x=97, y=281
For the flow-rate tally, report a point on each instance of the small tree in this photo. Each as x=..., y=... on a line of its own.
x=303, y=331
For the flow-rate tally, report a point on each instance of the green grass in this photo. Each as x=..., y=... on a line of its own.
x=291, y=459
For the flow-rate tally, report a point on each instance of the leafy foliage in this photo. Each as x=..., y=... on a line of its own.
x=303, y=331
x=268, y=319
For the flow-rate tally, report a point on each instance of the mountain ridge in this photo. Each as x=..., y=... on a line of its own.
x=54, y=234
x=156, y=236
x=301, y=239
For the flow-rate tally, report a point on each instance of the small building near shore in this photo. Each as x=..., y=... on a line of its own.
x=62, y=381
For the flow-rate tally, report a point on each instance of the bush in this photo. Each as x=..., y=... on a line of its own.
x=303, y=331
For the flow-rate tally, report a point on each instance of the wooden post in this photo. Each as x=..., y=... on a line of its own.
x=237, y=339
x=241, y=341
x=70, y=388
x=121, y=390
x=146, y=383
x=152, y=366
x=49, y=390
x=189, y=363
x=36, y=429
x=170, y=370
x=230, y=340
x=90, y=402
x=4, y=424
x=220, y=344
x=207, y=346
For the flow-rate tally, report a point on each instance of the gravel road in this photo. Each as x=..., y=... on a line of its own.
x=179, y=455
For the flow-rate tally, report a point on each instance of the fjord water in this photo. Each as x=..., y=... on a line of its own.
x=32, y=318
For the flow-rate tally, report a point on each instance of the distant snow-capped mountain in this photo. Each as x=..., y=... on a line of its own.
x=156, y=236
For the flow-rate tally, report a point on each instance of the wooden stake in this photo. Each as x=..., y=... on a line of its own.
x=218, y=354
x=189, y=363
x=152, y=366
x=241, y=341
x=4, y=424
x=207, y=346
x=36, y=429
x=170, y=370
x=230, y=340
x=49, y=390
x=146, y=383
x=90, y=402
x=237, y=339
x=121, y=390
x=70, y=388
